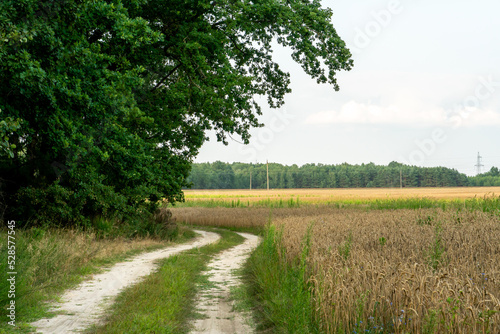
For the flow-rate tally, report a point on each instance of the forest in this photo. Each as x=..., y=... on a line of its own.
x=220, y=175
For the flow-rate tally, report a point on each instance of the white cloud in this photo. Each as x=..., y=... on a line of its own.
x=354, y=112
x=471, y=117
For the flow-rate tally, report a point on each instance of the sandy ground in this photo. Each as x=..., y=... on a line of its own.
x=213, y=303
x=85, y=305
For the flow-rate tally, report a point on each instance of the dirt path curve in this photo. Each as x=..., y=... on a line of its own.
x=214, y=302
x=84, y=305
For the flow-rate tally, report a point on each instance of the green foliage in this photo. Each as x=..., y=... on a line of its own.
x=382, y=241
x=106, y=103
x=454, y=309
x=7, y=127
x=485, y=317
x=425, y=221
x=431, y=322
x=345, y=247
x=161, y=225
x=407, y=203
x=436, y=253
x=488, y=179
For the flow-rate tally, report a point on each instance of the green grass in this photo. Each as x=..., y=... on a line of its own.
x=48, y=261
x=278, y=290
x=163, y=302
x=217, y=202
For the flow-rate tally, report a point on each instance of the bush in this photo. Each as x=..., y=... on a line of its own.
x=160, y=225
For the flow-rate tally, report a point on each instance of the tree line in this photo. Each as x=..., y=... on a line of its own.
x=220, y=175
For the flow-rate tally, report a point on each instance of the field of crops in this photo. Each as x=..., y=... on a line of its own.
x=333, y=197
x=398, y=270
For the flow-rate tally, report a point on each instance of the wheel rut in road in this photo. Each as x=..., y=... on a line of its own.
x=214, y=303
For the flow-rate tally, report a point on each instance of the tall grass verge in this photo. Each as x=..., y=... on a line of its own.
x=164, y=301
x=279, y=288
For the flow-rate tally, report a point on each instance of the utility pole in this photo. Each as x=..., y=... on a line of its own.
x=250, y=179
x=267, y=164
x=401, y=178
x=478, y=164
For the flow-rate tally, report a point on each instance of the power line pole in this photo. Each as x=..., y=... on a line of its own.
x=478, y=164
x=250, y=179
x=267, y=164
x=401, y=178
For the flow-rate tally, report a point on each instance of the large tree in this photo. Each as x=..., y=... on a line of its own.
x=113, y=98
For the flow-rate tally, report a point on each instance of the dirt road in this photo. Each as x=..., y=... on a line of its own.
x=214, y=303
x=85, y=305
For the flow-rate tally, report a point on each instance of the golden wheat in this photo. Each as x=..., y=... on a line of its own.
x=325, y=195
x=397, y=268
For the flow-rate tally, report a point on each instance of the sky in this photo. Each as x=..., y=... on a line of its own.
x=424, y=91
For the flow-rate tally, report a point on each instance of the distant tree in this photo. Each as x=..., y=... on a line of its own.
x=343, y=180
x=493, y=172
x=223, y=176
x=395, y=165
x=490, y=178
x=332, y=180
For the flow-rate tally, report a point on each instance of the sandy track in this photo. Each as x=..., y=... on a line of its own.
x=214, y=303
x=85, y=305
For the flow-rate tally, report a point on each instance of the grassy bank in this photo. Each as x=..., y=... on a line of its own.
x=48, y=261
x=279, y=290
x=163, y=302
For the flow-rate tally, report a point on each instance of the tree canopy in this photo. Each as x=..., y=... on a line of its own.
x=105, y=103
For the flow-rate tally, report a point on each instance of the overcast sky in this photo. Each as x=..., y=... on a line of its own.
x=424, y=90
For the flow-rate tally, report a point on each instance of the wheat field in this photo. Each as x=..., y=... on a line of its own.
x=369, y=197
x=407, y=271
x=387, y=271
x=322, y=195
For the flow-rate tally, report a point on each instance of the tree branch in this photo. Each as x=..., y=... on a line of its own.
x=166, y=77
